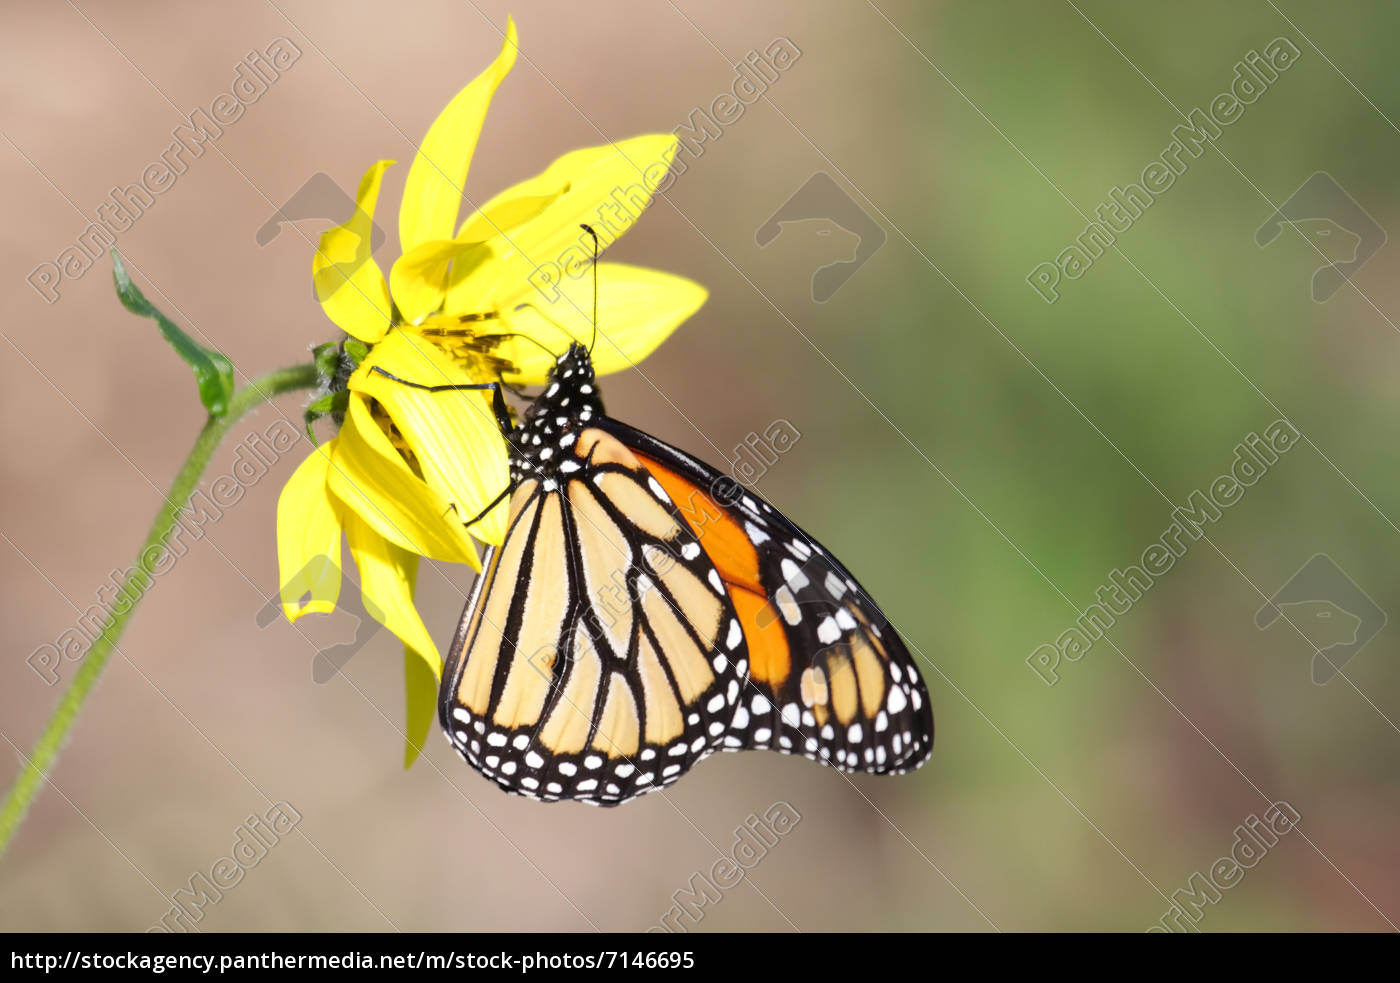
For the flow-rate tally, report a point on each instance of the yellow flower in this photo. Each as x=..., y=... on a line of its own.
x=468, y=303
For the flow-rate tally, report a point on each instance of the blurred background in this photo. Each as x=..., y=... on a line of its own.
x=982, y=458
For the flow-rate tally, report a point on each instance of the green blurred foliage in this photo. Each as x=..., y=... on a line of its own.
x=1067, y=433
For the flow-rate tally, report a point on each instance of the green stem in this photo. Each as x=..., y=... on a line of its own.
x=137, y=583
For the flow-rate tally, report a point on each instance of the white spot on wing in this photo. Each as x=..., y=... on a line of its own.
x=794, y=576
x=787, y=604
x=897, y=699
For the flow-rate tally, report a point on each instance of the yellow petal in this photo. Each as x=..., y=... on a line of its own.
x=372, y=480
x=348, y=281
x=638, y=308
x=453, y=435
x=512, y=208
x=420, y=699
x=607, y=187
x=419, y=279
x=433, y=192
x=308, y=539
x=387, y=576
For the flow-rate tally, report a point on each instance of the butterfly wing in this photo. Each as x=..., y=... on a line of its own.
x=599, y=655
x=829, y=677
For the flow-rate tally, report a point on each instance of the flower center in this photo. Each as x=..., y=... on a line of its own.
x=461, y=337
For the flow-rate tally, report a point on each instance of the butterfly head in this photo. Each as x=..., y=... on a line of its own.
x=551, y=426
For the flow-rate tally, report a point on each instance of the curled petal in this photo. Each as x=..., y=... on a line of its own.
x=371, y=478
x=308, y=539
x=454, y=436
x=421, y=278
x=433, y=191
x=638, y=308
x=349, y=283
x=387, y=575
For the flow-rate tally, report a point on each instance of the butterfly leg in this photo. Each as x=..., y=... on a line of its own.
x=498, y=399
x=486, y=511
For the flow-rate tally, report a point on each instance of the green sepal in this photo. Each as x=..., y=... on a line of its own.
x=357, y=350
x=331, y=404
x=327, y=359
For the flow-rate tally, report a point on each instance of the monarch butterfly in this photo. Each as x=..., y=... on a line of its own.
x=645, y=611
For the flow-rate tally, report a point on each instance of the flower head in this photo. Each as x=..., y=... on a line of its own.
x=487, y=299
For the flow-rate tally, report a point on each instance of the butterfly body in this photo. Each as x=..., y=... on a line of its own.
x=645, y=611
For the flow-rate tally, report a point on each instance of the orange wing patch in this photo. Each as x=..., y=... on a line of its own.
x=732, y=552
x=723, y=539
x=770, y=661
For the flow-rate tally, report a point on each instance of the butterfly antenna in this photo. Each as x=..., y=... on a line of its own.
x=594, y=340
x=525, y=337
